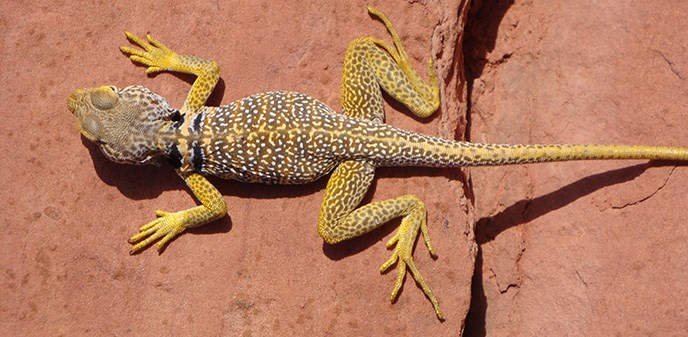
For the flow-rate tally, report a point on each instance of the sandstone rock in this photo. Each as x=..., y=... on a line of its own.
x=587, y=248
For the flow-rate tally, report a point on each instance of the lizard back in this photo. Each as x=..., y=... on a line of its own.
x=291, y=138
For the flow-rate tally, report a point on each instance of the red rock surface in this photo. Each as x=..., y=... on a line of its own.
x=263, y=270
x=587, y=248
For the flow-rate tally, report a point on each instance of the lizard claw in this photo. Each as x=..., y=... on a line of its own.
x=403, y=254
x=165, y=227
x=155, y=55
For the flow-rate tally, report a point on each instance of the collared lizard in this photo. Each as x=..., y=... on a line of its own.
x=291, y=138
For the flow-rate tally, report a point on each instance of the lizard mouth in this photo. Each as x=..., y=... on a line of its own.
x=81, y=120
x=72, y=101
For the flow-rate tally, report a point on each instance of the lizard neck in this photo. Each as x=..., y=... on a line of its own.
x=180, y=141
x=167, y=143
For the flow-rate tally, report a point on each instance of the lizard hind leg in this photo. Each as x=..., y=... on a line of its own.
x=393, y=71
x=371, y=63
x=368, y=64
x=340, y=220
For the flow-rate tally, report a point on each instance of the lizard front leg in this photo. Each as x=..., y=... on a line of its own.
x=168, y=225
x=159, y=57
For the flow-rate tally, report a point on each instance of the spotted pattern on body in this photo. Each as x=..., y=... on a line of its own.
x=291, y=138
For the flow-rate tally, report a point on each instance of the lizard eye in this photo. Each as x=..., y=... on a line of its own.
x=105, y=99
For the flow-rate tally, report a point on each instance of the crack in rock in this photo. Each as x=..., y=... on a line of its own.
x=671, y=65
x=509, y=286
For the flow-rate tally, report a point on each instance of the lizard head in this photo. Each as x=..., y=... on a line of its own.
x=125, y=123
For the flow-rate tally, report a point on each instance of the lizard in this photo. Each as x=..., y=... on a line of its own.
x=283, y=137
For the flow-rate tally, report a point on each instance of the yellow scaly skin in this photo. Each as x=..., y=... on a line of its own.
x=291, y=138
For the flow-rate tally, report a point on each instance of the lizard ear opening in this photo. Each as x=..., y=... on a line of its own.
x=104, y=98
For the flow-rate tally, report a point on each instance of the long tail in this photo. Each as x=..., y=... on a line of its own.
x=391, y=146
x=473, y=154
x=412, y=149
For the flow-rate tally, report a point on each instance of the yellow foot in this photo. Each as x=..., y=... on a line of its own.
x=166, y=226
x=155, y=55
x=403, y=253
